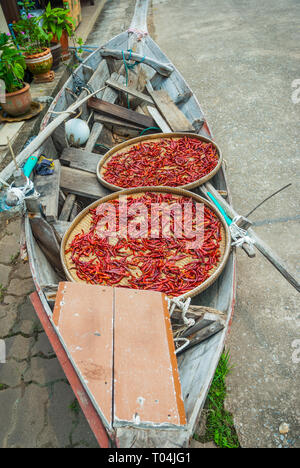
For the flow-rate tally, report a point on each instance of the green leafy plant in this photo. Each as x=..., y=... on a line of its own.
x=29, y=35
x=2, y=292
x=219, y=424
x=12, y=64
x=57, y=20
x=74, y=406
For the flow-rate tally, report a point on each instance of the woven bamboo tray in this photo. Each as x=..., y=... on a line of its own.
x=125, y=146
x=83, y=222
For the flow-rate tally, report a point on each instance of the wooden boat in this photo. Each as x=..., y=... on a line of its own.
x=197, y=365
x=103, y=74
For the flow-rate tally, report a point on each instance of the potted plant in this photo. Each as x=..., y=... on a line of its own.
x=34, y=43
x=12, y=68
x=60, y=25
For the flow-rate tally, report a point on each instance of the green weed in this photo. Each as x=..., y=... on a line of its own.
x=2, y=292
x=74, y=406
x=219, y=424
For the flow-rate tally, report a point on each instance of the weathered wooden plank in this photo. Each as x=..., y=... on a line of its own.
x=202, y=335
x=83, y=315
x=60, y=227
x=160, y=121
x=48, y=187
x=128, y=90
x=147, y=389
x=174, y=117
x=81, y=183
x=80, y=159
x=67, y=208
x=114, y=121
x=113, y=110
x=109, y=95
x=162, y=68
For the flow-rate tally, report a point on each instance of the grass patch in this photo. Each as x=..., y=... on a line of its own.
x=219, y=424
x=74, y=406
x=14, y=258
x=2, y=292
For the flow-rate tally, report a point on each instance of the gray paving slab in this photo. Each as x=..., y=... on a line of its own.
x=241, y=59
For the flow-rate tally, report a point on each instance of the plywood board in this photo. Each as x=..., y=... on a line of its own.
x=146, y=382
x=83, y=315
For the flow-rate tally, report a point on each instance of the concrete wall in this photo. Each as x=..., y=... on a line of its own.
x=3, y=24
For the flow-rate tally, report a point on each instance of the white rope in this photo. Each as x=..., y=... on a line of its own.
x=239, y=235
x=23, y=192
x=184, y=306
x=186, y=342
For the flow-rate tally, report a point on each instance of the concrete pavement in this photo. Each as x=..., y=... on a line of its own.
x=241, y=59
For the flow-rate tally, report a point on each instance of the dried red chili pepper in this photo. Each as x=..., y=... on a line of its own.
x=171, y=162
x=160, y=264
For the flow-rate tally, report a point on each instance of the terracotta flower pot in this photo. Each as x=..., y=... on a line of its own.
x=18, y=102
x=56, y=54
x=64, y=40
x=41, y=63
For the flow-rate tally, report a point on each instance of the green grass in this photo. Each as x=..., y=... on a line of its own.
x=14, y=258
x=2, y=292
x=219, y=424
x=74, y=406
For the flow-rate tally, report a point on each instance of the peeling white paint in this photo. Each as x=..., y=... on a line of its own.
x=136, y=419
x=140, y=400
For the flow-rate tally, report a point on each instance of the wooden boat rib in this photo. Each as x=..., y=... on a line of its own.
x=198, y=364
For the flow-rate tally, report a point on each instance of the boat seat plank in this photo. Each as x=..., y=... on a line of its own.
x=83, y=316
x=81, y=183
x=115, y=111
x=131, y=91
x=147, y=389
x=174, y=117
x=48, y=187
x=80, y=159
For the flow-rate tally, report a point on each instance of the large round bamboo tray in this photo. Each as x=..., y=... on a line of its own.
x=125, y=146
x=83, y=222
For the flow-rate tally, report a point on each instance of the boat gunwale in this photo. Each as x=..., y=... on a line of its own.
x=194, y=416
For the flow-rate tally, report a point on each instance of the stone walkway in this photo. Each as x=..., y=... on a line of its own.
x=37, y=405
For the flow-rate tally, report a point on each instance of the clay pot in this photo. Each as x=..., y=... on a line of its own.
x=18, y=102
x=41, y=63
x=56, y=54
x=64, y=40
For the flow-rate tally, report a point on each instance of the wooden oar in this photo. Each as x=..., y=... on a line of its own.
x=257, y=242
x=42, y=136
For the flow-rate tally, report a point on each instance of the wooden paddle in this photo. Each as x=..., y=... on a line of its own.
x=257, y=242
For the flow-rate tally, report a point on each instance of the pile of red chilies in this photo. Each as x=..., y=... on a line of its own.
x=147, y=263
x=171, y=162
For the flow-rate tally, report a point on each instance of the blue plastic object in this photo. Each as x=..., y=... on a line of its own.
x=29, y=165
x=227, y=219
